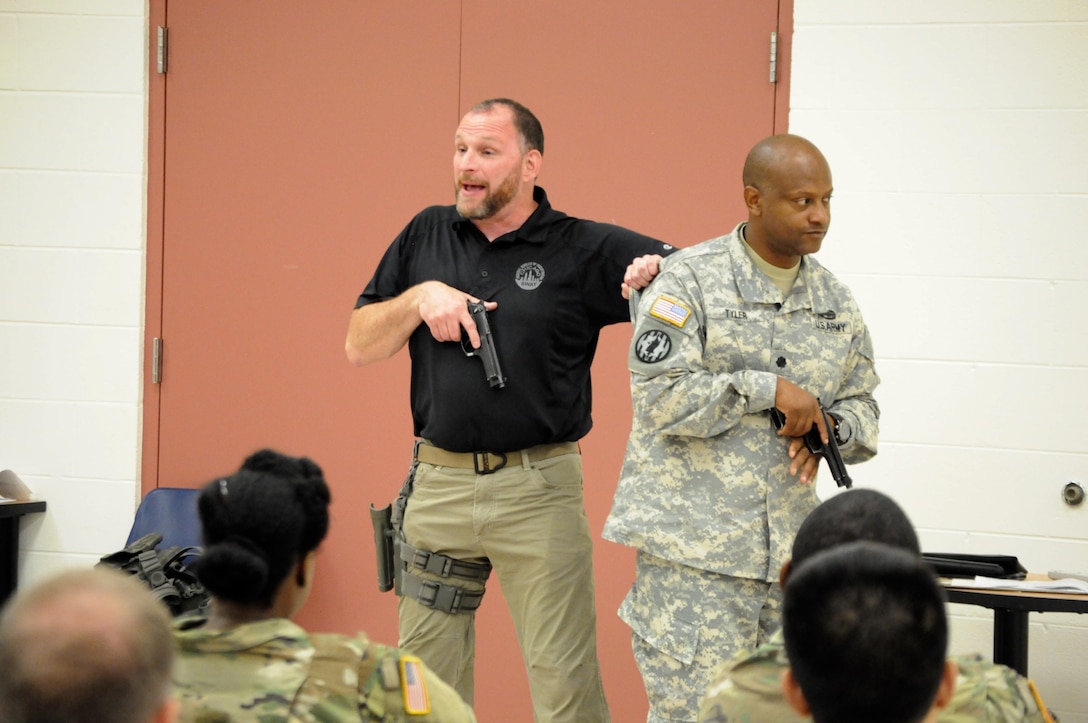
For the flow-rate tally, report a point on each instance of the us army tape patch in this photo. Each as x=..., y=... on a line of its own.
x=416, y=701
x=670, y=310
x=652, y=346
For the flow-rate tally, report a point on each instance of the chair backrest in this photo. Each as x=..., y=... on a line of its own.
x=170, y=511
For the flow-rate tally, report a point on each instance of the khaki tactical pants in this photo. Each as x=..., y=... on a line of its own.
x=528, y=519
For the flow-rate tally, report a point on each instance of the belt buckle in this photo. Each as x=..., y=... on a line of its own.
x=486, y=467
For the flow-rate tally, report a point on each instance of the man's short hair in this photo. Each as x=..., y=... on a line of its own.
x=83, y=646
x=528, y=126
x=866, y=634
x=854, y=515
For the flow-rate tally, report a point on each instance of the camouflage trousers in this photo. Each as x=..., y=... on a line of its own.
x=528, y=519
x=685, y=622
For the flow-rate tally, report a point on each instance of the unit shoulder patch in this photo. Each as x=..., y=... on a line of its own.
x=652, y=346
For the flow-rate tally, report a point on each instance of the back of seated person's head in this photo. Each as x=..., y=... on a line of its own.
x=86, y=645
x=851, y=516
x=258, y=524
x=866, y=635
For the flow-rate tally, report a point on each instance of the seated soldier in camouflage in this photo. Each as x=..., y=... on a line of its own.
x=246, y=660
x=867, y=637
x=748, y=687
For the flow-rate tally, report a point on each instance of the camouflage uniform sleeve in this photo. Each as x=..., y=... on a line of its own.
x=673, y=387
x=990, y=692
x=747, y=689
x=854, y=403
x=402, y=687
x=447, y=706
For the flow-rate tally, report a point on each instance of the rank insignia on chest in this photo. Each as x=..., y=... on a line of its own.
x=670, y=310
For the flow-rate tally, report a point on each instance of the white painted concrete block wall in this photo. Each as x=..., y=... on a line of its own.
x=957, y=133
x=72, y=185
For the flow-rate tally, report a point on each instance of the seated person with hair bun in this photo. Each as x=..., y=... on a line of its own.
x=246, y=660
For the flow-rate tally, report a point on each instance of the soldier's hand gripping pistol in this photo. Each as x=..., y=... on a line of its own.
x=816, y=446
x=486, y=352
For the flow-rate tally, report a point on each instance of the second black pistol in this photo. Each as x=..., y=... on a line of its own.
x=486, y=352
x=815, y=445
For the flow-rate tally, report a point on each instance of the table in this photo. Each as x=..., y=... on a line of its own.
x=1011, y=608
x=10, y=512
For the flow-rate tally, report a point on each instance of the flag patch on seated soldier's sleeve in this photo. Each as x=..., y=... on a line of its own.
x=669, y=309
x=416, y=701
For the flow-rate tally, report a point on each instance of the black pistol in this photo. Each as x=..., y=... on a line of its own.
x=816, y=446
x=486, y=352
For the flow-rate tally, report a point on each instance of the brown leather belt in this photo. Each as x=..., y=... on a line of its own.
x=489, y=462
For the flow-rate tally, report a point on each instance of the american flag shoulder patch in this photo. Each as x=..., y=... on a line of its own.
x=416, y=701
x=670, y=310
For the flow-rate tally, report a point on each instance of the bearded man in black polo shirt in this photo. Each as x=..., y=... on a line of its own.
x=498, y=474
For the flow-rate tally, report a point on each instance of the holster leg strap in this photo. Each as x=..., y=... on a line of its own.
x=439, y=595
x=444, y=565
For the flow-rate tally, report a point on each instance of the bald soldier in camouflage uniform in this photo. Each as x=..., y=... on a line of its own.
x=273, y=670
x=709, y=494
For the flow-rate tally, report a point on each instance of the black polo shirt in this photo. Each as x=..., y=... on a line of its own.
x=557, y=282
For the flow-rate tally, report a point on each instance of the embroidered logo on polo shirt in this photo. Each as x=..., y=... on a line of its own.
x=529, y=275
x=653, y=346
x=669, y=309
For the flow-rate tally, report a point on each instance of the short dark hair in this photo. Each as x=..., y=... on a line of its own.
x=527, y=124
x=866, y=634
x=258, y=523
x=88, y=645
x=851, y=516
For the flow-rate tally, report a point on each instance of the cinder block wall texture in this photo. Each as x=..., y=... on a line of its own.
x=958, y=140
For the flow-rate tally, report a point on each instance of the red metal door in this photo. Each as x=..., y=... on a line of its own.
x=290, y=142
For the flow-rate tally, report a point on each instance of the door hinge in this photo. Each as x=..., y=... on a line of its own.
x=161, y=49
x=774, y=57
x=156, y=360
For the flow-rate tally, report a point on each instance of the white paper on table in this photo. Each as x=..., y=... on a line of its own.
x=1064, y=585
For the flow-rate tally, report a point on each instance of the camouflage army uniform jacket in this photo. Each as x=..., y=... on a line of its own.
x=705, y=481
x=273, y=670
x=748, y=689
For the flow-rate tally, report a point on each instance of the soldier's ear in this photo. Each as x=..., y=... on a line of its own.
x=169, y=710
x=792, y=692
x=753, y=199
x=784, y=573
x=947, y=686
x=300, y=574
x=304, y=570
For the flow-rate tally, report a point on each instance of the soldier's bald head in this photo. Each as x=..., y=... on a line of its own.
x=86, y=645
x=773, y=156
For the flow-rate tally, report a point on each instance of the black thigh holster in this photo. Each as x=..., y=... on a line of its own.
x=440, y=595
x=395, y=556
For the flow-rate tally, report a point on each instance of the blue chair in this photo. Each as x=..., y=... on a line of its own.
x=172, y=512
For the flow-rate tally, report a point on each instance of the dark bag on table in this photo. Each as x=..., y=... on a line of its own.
x=953, y=564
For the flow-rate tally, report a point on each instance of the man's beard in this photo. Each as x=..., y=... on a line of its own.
x=492, y=202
